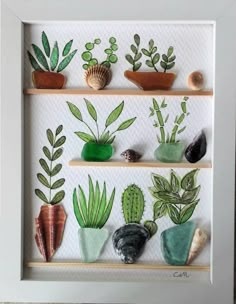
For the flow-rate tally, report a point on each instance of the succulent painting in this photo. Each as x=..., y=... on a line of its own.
x=176, y=197
x=47, y=58
x=136, y=56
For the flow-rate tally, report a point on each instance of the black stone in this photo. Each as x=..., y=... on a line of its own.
x=197, y=149
x=129, y=242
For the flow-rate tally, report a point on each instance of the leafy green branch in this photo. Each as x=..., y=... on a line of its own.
x=152, y=54
x=52, y=155
x=167, y=62
x=134, y=60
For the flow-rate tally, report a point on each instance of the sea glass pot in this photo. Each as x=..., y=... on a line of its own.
x=170, y=152
x=96, y=152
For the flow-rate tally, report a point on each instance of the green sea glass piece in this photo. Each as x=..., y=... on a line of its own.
x=176, y=242
x=170, y=152
x=96, y=152
x=91, y=242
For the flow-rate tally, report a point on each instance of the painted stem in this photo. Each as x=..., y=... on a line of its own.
x=91, y=131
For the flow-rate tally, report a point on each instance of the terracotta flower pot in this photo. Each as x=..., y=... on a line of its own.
x=151, y=80
x=49, y=229
x=48, y=80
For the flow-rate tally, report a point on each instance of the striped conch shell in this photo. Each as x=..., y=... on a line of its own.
x=198, y=242
x=98, y=76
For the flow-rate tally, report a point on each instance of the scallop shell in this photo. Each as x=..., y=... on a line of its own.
x=98, y=76
x=49, y=229
x=198, y=242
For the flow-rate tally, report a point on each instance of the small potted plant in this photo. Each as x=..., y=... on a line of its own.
x=170, y=149
x=98, y=145
x=97, y=76
x=51, y=220
x=129, y=240
x=92, y=214
x=150, y=80
x=46, y=64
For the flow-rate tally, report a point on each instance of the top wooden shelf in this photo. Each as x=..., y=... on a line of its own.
x=132, y=92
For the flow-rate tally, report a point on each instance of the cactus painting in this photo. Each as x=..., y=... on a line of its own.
x=130, y=239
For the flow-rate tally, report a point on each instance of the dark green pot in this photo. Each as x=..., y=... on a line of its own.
x=170, y=152
x=96, y=152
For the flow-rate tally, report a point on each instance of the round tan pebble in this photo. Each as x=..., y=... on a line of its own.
x=195, y=81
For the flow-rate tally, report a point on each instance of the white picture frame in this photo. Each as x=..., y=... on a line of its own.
x=14, y=284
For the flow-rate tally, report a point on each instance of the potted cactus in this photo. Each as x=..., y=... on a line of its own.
x=98, y=145
x=51, y=220
x=46, y=64
x=170, y=149
x=129, y=240
x=97, y=76
x=150, y=80
x=92, y=214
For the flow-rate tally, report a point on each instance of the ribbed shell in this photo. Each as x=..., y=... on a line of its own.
x=98, y=76
x=198, y=242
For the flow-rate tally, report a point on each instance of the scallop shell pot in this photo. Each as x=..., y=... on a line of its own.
x=96, y=152
x=181, y=244
x=129, y=242
x=48, y=80
x=98, y=76
x=91, y=243
x=49, y=229
x=170, y=152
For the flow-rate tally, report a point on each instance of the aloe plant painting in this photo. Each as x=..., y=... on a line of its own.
x=160, y=121
x=111, y=57
x=94, y=211
x=52, y=153
x=48, y=58
x=96, y=136
x=176, y=198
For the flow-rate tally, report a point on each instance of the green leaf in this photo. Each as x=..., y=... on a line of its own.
x=46, y=44
x=151, y=226
x=87, y=56
x=108, y=51
x=187, y=212
x=110, y=141
x=43, y=180
x=170, y=51
x=85, y=137
x=156, y=58
x=44, y=165
x=89, y=46
x=190, y=195
x=153, y=192
x=114, y=47
x=94, y=61
x=107, y=211
x=160, y=182
x=54, y=57
x=151, y=44
x=137, y=66
x=137, y=57
x=167, y=117
x=170, y=66
x=106, y=64
x=77, y=211
x=50, y=136
x=175, y=182
x=47, y=153
x=59, y=129
x=91, y=109
x=154, y=50
x=96, y=203
x=114, y=115
x=60, y=142
x=188, y=181
x=181, y=130
x=102, y=205
x=64, y=63
x=113, y=58
x=90, y=202
x=134, y=49
x=58, y=197
x=75, y=111
x=67, y=48
x=85, y=66
x=183, y=107
x=137, y=39
x=83, y=204
x=40, y=56
x=171, y=58
x=97, y=41
x=126, y=124
x=165, y=58
x=34, y=63
x=112, y=40
x=159, y=210
x=146, y=52
x=57, y=154
x=57, y=184
x=168, y=197
x=163, y=65
x=41, y=195
x=173, y=214
x=149, y=63
x=56, y=169
x=104, y=138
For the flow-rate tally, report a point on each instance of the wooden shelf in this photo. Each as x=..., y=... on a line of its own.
x=149, y=164
x=133, y=92
x=117, y=266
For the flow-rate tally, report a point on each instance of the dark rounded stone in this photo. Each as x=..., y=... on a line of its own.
x=197, y=149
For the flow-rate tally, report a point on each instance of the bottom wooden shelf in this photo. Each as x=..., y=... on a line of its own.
x=117, y=266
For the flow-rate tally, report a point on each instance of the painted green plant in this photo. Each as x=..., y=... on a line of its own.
x=160, y=121
x=52, y=153
x=176, y=198
x=134, y=60
x=106, y=136
x=111, y=57
x=49, y=59
x=94, y=211
x=133, y=207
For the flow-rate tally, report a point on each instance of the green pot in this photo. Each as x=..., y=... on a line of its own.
x=170, y=152
x=96, y=152
x=91, y=243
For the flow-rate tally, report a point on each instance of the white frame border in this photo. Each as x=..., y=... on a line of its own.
x=12, y=287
